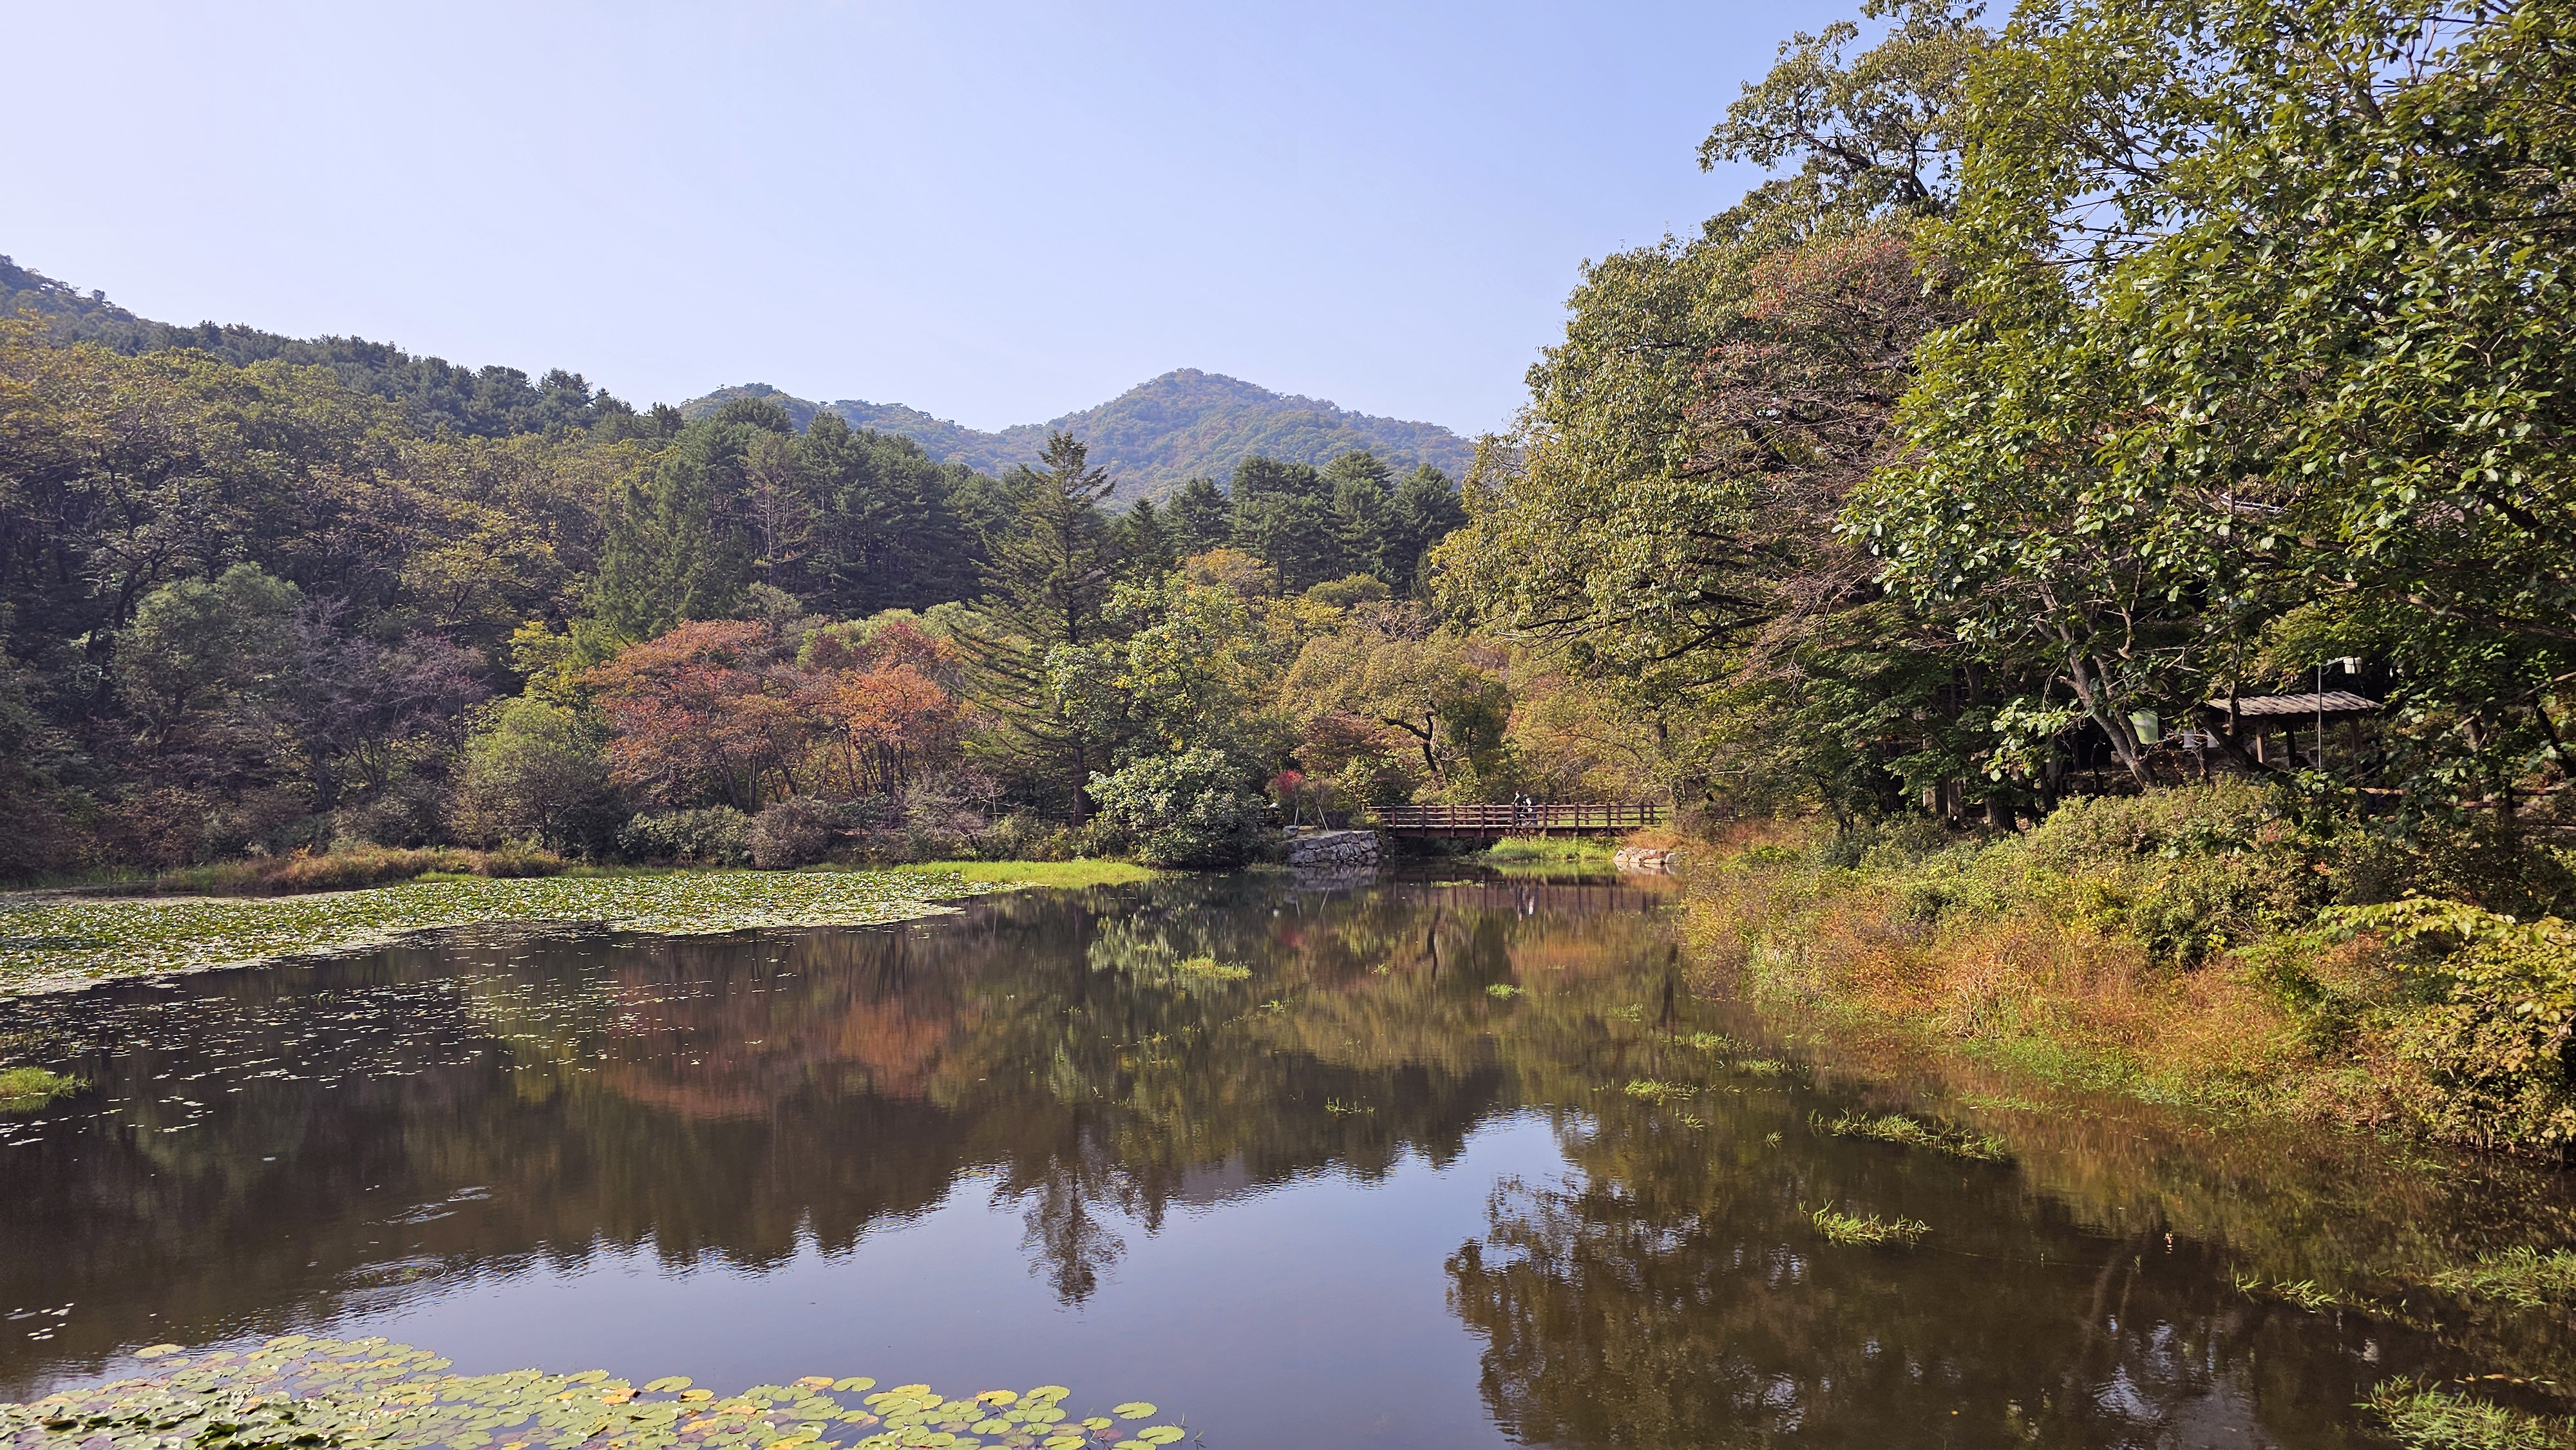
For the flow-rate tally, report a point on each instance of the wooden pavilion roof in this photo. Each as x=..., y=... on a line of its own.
x=2332, y=702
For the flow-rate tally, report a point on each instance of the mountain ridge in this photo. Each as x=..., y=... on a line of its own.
x=1155, y=436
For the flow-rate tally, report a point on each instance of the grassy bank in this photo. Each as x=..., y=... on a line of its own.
x=1037, y=873
x=56, y=943
x=2203, y=948
x=1547, y=853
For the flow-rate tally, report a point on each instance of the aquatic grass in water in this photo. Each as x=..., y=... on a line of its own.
x=295, y=1390
x=1914, y=1133
x=1867, y=1229
x=2423, y=1417
x=1660, y=1093
x=2526, y=1277
x=1214, y=970
x=24, y=1089
x=51, y=944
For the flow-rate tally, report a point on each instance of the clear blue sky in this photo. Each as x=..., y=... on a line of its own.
x=998, y=213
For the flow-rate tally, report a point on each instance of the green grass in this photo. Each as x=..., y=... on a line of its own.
x=1914, y=1133
x=2526, y=1277
x=55, y=943
x=1547, y=851
x=2422, y=1417
x=1660, y=1093
x=1867, y=1230
x=1040, y=873
x=24, y=1089
x=1213, y=969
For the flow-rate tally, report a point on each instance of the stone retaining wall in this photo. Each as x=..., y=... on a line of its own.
x=1333, y=848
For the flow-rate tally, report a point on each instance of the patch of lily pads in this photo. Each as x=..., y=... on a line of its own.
x=50, y=944
x=373, y=1394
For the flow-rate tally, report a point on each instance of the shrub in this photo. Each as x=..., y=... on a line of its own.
x=797, y=831
x=534, y=771
x=715, y=836
x=2486, y=1061
x=1186, y=809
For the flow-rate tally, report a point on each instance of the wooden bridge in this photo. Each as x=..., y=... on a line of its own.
x=1590, y=818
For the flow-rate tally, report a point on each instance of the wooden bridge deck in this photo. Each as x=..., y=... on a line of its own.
x=1583, y=818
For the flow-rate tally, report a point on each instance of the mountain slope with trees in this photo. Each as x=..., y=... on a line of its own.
x=488, y=402
x=1156, y=436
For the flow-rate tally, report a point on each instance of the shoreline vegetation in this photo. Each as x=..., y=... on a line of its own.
x=2205, y=948
x=374, y=1393
x=51, y=942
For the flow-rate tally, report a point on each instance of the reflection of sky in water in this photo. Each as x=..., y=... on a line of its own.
x=1341, y=1333
x=1357, y=1198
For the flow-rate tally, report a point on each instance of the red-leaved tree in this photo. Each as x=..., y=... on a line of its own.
x=706, y=711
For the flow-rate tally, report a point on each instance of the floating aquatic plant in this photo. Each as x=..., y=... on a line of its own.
x=1502, y=991
x=1867, y=1228
x=300, y=1391
x=61, y=943
x=24, y=1089
x=1213, y=969
x=1915, y=1133
x=1660, y=1093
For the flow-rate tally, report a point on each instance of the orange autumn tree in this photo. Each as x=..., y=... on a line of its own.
x=704, y=712
x=886, y=694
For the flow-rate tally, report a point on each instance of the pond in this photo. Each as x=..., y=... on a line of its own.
x=1413, y=1162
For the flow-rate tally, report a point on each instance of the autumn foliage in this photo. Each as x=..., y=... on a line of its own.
x=721, y=711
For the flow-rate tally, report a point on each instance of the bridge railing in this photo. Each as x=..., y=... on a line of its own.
x=1510, y=820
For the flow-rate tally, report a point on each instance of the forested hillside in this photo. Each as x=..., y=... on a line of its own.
x=490, y=402
x=282, y=607
x=1157, y=436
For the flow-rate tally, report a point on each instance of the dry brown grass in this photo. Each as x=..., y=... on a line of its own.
x=2035, y=984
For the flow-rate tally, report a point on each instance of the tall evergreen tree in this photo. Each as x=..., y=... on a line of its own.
x=1046, y=588
x=665, y=561
x=1425, y=509
x=1201, y=517
x=1361, y=516
x=1284, y=513
x=1144, y=537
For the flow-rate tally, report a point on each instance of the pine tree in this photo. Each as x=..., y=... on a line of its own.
x=1046, y=588
x=1201, y=518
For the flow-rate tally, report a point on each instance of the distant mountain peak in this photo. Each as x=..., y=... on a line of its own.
x=1155, y=436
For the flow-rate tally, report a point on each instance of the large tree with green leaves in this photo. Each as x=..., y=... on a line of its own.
x=2268, y=362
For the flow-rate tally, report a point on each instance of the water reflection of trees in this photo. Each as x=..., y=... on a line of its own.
x=739, y=1097
x=458, y=1107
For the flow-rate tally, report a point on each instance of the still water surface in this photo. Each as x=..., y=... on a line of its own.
x=1390, y=1188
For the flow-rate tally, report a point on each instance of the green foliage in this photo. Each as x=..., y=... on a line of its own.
x=489, y=402
x=1155, y=437
x=1187, y=808
x=2523, y=1276
x=537, y=771
x=711, y=836
x=295, y=1390
x=2426, y=1417
x=1914, y=1133
x=1866, y=1230
x=2483, y=1058
x=2266, y=351
x=1214, y=970
x=25, y=1089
